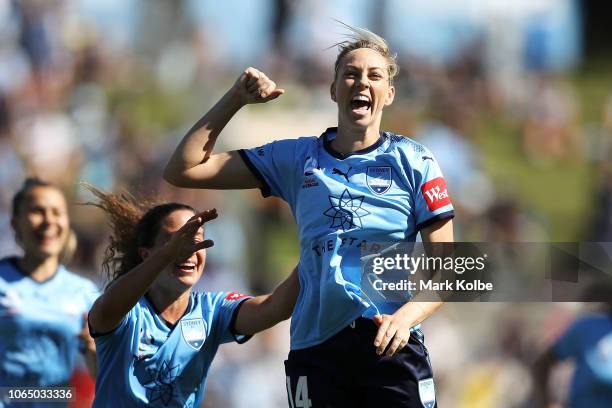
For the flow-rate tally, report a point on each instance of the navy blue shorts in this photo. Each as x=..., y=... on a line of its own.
x=345, y=371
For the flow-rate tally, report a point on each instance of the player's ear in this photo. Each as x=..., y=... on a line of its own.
x=390, y=95
x=332, y=91
x=16, y=230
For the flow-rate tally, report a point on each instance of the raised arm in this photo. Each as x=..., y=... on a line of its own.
x=262, y=312
x=121, y=296
x=193, y=165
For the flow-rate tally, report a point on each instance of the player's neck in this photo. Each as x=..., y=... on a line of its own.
x=351, y=138
x=39, y=269
x=170, y=307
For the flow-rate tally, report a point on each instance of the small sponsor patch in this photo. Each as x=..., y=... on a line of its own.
x=378, y=179
x=435, y=193
x=194, y=332
x=236, y=296
x=310, y=182
x=427, y=393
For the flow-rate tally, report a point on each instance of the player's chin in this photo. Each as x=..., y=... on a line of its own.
x=186, y=278
x=361, y=121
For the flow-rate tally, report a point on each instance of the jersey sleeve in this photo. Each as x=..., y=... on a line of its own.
x=432, y=200
x=274, y=165
x=129, y=320
x=227, y=307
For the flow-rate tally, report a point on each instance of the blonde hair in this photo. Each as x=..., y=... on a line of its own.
x=363, y=38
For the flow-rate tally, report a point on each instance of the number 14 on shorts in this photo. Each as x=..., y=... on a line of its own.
x=300, y=400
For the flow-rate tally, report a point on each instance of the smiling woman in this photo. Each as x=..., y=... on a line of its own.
x=155, y=337
x=351, y=186
x=42, y=304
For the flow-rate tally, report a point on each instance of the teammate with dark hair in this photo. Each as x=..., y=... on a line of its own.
x=155, y=336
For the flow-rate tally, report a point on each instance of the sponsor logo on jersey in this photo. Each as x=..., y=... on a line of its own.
x=309, y=167
x=342, y=173
x=378, y=179
x=194, y=332
x=310, y=182
x=435, y=193
x=346, y=211
x=427, y=393
x=236, y=296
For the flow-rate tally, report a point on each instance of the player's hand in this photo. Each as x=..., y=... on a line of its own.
x=186, y=241
x=393, y=333
x=253, y=86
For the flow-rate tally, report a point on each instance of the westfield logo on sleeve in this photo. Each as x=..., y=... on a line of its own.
x=435, y=193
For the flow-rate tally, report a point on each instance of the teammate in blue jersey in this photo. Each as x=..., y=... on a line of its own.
x=350, y=186
x=155, y=337
x=588, y=343
x=42, y=304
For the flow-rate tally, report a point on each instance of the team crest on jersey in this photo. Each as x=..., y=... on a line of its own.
x=378, y=179
x=194, y=332
x=427, y=393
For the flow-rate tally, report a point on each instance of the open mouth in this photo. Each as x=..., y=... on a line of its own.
x=185, y=267
x=360, y=104
x=47, y=236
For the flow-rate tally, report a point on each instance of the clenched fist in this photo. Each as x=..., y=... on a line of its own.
x=253, y=86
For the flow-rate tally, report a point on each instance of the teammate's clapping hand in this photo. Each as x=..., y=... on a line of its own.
x=186, y=241
x=253, y=86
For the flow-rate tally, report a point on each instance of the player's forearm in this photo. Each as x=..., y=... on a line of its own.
x=197, y=146
x=110, y=308
x=416, y=312
x=91, y=362
x=255, y=315
x=263, y=312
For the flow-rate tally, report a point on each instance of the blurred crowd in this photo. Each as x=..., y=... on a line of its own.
x=80, y=102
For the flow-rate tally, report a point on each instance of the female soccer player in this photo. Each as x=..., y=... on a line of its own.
x=42, y=304
x=156, y=338
x=352, y=185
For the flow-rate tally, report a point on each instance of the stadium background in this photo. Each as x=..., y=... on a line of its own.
x=514, y=98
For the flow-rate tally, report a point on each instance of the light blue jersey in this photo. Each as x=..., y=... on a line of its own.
x=39, y=326
x=387, y=192
x=589, y=343
x=146, y=363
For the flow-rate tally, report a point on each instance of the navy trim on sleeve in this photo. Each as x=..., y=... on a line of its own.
x=232, y=328
x=439, y=217
x=265, y=188
x=95, y=335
